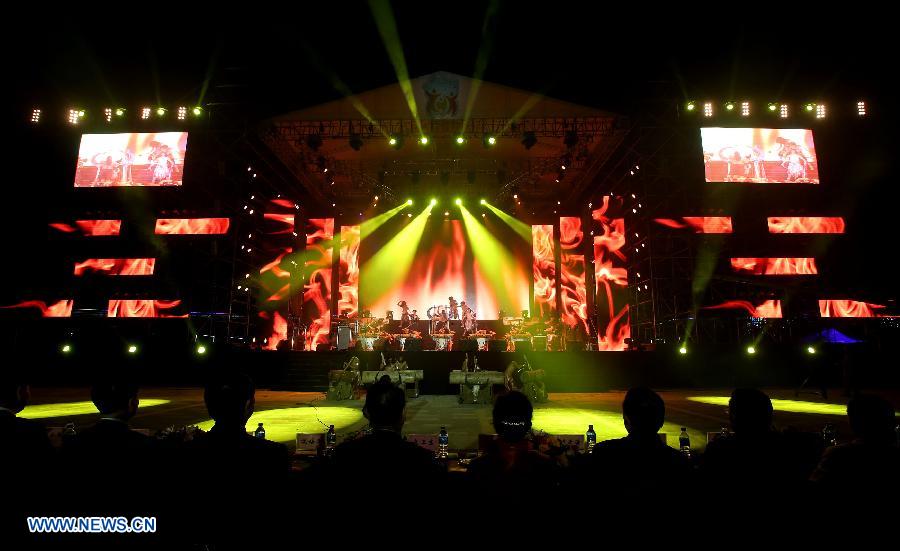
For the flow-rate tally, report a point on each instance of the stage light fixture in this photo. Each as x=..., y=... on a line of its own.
x=690, y=106
x=708, y=109
x=409, y=202
x=783, y=111
x=423, y=140
x=120, y=111
x=751, y=350
x=160, y=111
x=396, y=142
x=810, y=350
x=201, y=350
x=446, y=213
x=820, y=111
x=682, y=350
x=810, y=107
x=745, y=108
x=489, y=141
x=457, y=202
x=460, y=140
x=355, y=142
x=197, y=111
x=433, y=202
x=107, y=114
x=483, y=202
x=145, y=113
x=773, y=107
x=35, y=116
x=75, y=115
x=66, y=348
x=132, y=349
x=529, y=139
x=861, y=108
x=182, y=113
x=729, y=106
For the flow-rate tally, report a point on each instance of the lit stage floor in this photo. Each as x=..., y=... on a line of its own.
x=286, y=413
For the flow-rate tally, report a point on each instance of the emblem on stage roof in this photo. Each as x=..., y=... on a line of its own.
x=441, y=92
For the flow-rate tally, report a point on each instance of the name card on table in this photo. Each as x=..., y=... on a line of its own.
x=309, y=444
x=427, y=441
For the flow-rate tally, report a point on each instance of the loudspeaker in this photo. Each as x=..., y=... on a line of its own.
x=496, y=345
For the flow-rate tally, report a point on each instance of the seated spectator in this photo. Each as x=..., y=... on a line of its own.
x=510, y=468
x=640, y=462
x=382, y=462
x=871, y=462
x=756, y=457
x=111, y=439
x=230, y=468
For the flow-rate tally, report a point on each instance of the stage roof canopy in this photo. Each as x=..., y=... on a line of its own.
x=535, y=137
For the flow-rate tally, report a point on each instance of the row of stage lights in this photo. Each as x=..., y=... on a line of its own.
x=750, y=350
x=396, y=141
x=132, y=349
x=783, y=110
x=75, y=116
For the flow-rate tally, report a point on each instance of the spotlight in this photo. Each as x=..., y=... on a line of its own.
x=66, y=348
x=409, y=215
x=107, y=114
x=820, y=111
x=132, y=349
x=201, y=350
x=483, y=202
x=35, y=116
x=396, y=142
x=423, y=140
x=197, y=111
x=446, y=213
x=120, y=111
x=773, y=107
x=745, y=108
x=690, y=106
x=751, y=350
x=529, y=139
x=355, y=142
x=182, y=113
x=145, y=113
x=160, y=111
x=490, y=141
x=861, y=108
x=458, y=202
x=810, y=350
x=409, y=202
x=708, y=109
x=682, y=350
x=783, y=111
x=75, y=115
x=460, y=140
x=729, y=106
x=433, y=202
x=810, y=107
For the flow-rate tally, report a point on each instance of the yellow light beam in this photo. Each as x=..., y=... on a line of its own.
x=493, y=260
x=369, y=226
x=67, y=409
x=521, y=228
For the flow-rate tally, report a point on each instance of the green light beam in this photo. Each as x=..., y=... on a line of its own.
x=387, y=28
x=521, y=228
x=484, y=52
x=492, y=259
x=282, y=425
x=389, y=266
x=67, y=409
x=792, y=406
x=369, y=226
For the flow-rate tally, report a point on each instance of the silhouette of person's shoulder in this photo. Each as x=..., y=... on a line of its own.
x=23, y=439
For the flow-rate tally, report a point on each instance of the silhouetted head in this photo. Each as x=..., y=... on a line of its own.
x=643, y=411
x=116, y=398
x=385, y=406
x=512, y=416
x=750, y=411
x=872, y=418
x=230, y=399
x=14, y=394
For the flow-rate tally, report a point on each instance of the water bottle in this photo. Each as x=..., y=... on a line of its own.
x=684, y=442
x=590, y=439
x=443, y=442
x=68, y=435
x=260, y=432
x=829, y=435
x=330, y=440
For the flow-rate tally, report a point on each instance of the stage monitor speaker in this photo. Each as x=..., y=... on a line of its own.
x=466, y=345
x=343, y=338
x=413, y=345
x=523, y=346
x=497, y=345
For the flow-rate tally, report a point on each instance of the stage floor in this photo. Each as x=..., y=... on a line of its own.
x=286, y=413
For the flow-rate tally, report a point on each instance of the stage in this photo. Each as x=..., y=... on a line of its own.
x=286, y=413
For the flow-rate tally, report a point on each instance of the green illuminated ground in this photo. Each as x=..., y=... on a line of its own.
x=607, y=424
x=282, y=425
x=46, y=411
x=793, y=406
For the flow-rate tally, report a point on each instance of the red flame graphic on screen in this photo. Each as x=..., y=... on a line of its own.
x=775, y=266
x=768, y=309
x=142, y=308
x=117, y=266
x=543, y=269
x=275, y=265
x=90, y=228
x=572, y=289
x=348, y=280
x=284, y=223
x=192, y=226
x=60, y=309
x=611, y=279
x=317, y=290
x=700, y=224
x=279, y=331
x=806, y=224
x=62, y=226
x=284, y=203
x=848, y=309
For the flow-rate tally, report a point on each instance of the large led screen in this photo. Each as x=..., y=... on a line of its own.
x=760, y=155
x=132, y=159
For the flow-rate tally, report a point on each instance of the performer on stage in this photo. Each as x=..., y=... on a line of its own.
x=414, y=316
x=468, y=319
x=404, y=315
x=454, y=308
x=443, y=323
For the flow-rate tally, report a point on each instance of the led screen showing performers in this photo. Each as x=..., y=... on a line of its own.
x=760, y=155
x=435, y=264
x=132, y=159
